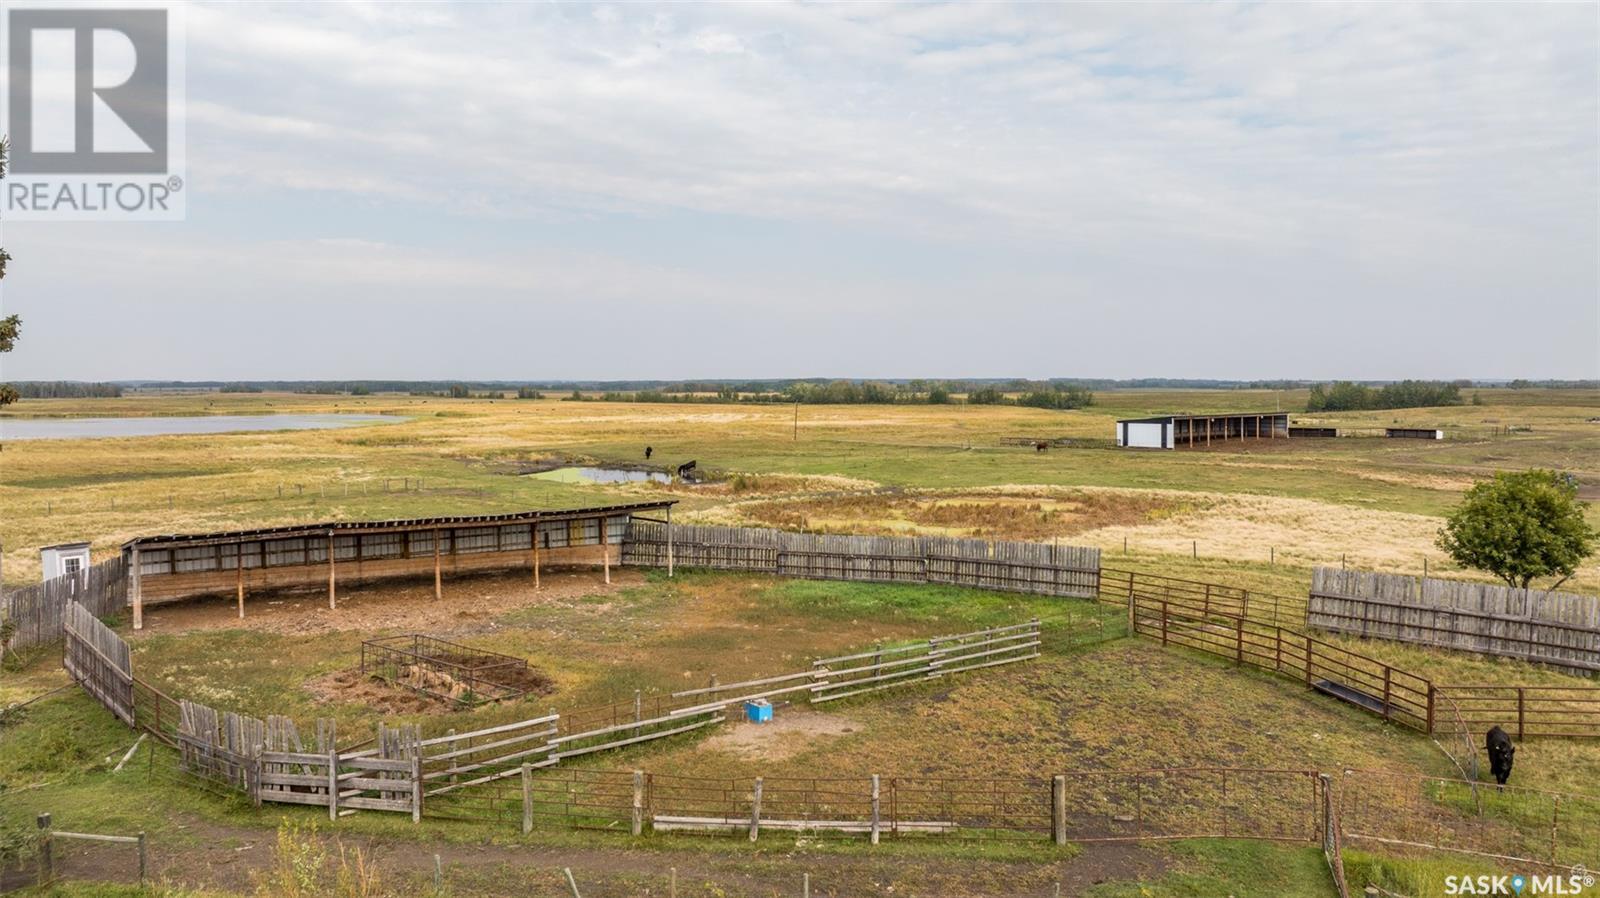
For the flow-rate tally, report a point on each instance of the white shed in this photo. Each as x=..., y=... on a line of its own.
x=67, y=558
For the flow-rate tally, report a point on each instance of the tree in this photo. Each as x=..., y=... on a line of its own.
x=1519, y=527
x=11, y=326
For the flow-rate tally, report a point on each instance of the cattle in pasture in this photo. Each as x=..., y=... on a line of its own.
x=1500, y=749
x=1041, y=445
x=686, y=471
x=648, y=451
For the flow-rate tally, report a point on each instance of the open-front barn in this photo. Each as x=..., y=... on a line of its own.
x=173, y=567
x=1188, y=431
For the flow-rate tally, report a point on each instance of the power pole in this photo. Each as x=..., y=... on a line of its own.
x=797, y=421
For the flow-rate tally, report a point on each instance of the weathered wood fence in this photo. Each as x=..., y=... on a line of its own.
x=1038, y=568
x=98, y=660
x=1546, y=627
x=38, y=612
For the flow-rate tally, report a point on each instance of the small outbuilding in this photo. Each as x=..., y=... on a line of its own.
x=1413, y=433
x=1189, y=431
x=63, y=559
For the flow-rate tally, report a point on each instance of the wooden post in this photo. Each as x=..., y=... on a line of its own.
x=1430, y=709
x=416, y=783
x=755, y=811
x=536, y=555
x=605, y=547
x=1238, y=635
x=438, y=579
x=333, y=601
x=239, y=564
x=1521, y=718
x=46, y=861
x=333, y=778
x=669, y=541
x=1058, y=808
x=1308, y=660
x=876, y=806
x=144, y=857
x=527, y=798
x=138, y=594
x=638, y=802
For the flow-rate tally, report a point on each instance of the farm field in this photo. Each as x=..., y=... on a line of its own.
x=1254, y=515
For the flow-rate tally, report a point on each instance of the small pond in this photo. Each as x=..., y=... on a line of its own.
x=90, y=428
x=602, y=475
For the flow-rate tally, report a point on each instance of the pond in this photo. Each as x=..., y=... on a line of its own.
x=602, y=475
x=91, y=428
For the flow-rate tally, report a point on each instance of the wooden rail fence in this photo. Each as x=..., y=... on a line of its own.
x=38, y=612
x=1038, y=568
x=1546, y=627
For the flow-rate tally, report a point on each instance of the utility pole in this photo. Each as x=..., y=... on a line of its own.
x=797, y=421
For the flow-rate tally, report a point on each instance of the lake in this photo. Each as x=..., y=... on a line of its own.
x=92, y=428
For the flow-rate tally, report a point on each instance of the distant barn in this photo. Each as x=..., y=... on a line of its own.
x=1187, y=431
x=1314, y=432
x=1413, y=433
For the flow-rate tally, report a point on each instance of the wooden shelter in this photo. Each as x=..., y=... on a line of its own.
x=1189, y=431
x=174, y=567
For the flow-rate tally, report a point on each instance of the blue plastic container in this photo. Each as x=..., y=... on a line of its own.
x=758, y=711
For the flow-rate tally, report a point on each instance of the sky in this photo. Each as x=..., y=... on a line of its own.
x=1296, y=190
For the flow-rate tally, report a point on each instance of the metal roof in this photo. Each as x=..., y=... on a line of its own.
x=323, y=529
x=1186, y=416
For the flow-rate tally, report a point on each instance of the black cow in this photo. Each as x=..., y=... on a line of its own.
x=648, y=451
x=686, y=471
x=1500, y=751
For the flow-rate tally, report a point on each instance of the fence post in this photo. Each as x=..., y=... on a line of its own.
x=416, y=783
x=1238, y=641
x=755, y=811
x=1163, y=623
x=875, y=808
x=333, y=780
x=255, y=775
x=1327, y=810
x=527, y=798
x=46, y=861
x=1521, y=713
x=1430, y=709
x=1058, y=809
x=638, y=802
x=1388, y=676
x=1308, y=660
x=143, y=857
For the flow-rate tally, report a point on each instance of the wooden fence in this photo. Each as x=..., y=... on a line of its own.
x=1119, y=586
x=1038, y=568
x=38, y=612
x=98, y=660
x=1380, y=688
x=1546, y=627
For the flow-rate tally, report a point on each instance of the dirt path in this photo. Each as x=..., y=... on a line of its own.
x=386, y=605
x=234, y=859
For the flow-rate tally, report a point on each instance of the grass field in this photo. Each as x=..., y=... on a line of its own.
x=1119, y=703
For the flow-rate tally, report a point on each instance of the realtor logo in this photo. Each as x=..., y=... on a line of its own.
x=93, y=113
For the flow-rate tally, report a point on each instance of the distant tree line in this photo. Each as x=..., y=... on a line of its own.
x=1346, y=396
x=64, y=389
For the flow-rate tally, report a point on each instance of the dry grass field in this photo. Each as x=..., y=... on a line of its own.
x=1252, y=515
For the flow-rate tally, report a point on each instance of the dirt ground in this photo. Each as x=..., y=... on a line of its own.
x=791, y=731
x=386, y=605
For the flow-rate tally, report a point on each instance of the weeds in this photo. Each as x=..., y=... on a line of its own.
x=304, y=867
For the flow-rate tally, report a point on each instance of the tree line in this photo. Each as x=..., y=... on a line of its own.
x=1347, y=396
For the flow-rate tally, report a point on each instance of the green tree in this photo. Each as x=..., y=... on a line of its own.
x=1519, y=527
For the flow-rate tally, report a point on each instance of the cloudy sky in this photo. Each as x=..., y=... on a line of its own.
x=770, y=190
